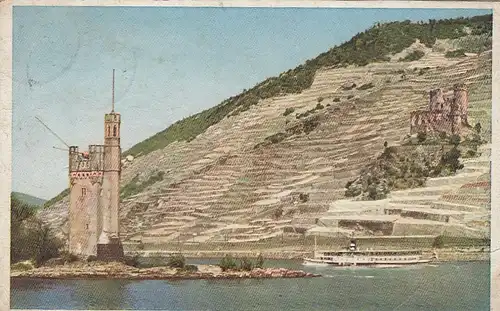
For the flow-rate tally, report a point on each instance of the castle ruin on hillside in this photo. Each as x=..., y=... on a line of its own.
x=447, y=112
x=94, y=178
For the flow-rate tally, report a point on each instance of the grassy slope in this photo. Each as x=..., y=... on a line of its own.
x=372, y=45
x=29, y=199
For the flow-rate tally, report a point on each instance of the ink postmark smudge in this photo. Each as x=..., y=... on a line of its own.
x=51, y=57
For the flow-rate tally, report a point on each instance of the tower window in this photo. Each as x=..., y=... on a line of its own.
x=84, y=192
x=109, y=131
x=114, y=131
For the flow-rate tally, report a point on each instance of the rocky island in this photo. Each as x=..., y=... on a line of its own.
x=118, y=270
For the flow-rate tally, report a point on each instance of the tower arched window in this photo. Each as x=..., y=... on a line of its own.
x=114, y=131
x=108, y=131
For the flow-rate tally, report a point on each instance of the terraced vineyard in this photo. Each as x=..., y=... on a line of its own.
x=226, y=187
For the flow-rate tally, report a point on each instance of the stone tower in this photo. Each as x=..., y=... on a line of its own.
x=461, y=101
x=109, y=245
x=85, y=178
x=436, y=100
x=95, y=195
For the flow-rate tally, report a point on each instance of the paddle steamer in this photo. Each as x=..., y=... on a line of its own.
x=355, y=257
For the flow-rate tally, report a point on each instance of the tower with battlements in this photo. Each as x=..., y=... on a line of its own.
x=95, y=195
x=446, y=113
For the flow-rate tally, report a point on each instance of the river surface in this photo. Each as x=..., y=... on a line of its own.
x=445, y=286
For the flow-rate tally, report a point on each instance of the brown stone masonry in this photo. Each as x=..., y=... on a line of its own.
x=94, y=195
x=447, y=112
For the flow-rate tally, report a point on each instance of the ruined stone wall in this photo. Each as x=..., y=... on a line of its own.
x=447, y=112
x=430, y=122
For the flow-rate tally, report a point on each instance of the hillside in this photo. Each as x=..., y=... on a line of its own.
x=266, y=167
x=29, y=199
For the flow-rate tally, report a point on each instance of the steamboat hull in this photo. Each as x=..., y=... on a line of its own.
x=396, y=263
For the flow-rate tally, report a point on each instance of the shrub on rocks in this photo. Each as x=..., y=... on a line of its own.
x=288, y=111
x=415, y=55
x=455, y=54
x=227, y=263
x=398, y=170
x=245, y=264
x=23, y=266
x=190, y=268
x=176, y=261
x=30, y=239
x=260, y=262
x=132, y=261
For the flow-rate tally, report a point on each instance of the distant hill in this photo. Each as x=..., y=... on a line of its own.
x=259, y=169
x=375, y=44
x=29, y=199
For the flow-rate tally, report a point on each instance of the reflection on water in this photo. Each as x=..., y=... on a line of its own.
x=451, y=286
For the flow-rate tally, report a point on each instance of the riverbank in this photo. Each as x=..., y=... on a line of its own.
x=116, y=270
x=444, y=255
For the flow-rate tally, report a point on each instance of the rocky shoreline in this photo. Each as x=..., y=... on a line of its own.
x=117, y=270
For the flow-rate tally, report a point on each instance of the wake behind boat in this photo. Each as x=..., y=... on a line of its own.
x=355, y=257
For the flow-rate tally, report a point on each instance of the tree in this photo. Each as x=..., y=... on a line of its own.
x=227, y=263
x=421, y=136
x=260, y=262
x=478, y=128
x=30, y=238
x=455, y=139
x=245, y=264
x=176, y=261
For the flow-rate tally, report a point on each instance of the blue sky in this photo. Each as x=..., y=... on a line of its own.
x=170, y=63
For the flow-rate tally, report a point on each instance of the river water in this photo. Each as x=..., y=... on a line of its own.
x=445, y=286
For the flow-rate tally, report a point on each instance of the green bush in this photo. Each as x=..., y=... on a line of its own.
x=22, y=266
x=421, y=137
x=478, y=128
x=455, y=139
x=190, y=268
x=132, y=261
x=303, y=197
x=320, y=99
x=227, y=263
x=336, y=100
x=455, y=54
x=245, y=264
x=69, y=257
x=438, y=242
x=30, y=238
x=259, y=263
x=176, y=261
x=278, y=212
x=319, y=106
x=288, y=111
x=415, y=55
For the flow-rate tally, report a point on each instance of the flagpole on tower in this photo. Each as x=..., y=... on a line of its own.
x=113, y=93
